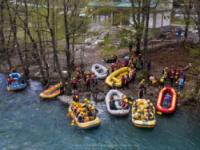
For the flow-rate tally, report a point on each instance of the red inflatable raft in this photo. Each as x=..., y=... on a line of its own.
x=172, y=106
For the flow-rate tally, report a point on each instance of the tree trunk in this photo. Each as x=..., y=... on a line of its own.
x=7, y=50
x=26, y=73
x=186, y=30
x=53, y=40
x=139, y=20
x=187, y=16
x=15, y=44
x=41, y=47
x=2, y=38
x=146, y=32
x=67, y=48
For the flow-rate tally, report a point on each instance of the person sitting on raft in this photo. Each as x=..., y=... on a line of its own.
x=10, y=80
x=112, y=103
x=124, y=102
x=81, y=117
x=76, y=98
x=91, y=111
x=167, y=100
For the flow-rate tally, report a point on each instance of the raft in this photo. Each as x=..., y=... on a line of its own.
x=85, y=125
x=51, y=92
x=16, y=86
x=115, y=77
x=15, y=75
x=160, y=99
x=100, y=71
x=117, y=96
x=142, y=104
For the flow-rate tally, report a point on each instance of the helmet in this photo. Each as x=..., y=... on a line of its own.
x=126, y=100
x=85, y=100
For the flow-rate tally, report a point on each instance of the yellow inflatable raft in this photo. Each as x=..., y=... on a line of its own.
x=85, y=125
x=143, y=114
x=115, y=77
x=51, y=92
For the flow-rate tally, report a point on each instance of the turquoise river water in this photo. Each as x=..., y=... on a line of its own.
x=27, y=123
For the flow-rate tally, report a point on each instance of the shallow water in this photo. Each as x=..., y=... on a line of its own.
x=28, y=123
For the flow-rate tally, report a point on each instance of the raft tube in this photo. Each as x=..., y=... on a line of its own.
x=100, y=71
x=51, y=92
x=118, y=96
x=143, y=123
x=85, y=125
x=116, y=76
x=15, y=75
x=16, y=86
x=160, y=99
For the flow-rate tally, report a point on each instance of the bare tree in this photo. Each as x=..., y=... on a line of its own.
x=187, y=10
x=51, y=28
x=197, y=17
x=2, y=38
x=138, y=17
x=14, y=29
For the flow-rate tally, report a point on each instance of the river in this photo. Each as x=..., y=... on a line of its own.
x=27, y=123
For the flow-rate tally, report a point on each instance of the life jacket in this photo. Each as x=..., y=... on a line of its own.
x=181, y=81
x=171, y=74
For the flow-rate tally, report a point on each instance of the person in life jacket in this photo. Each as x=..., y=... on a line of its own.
x=113, y=67
x=76, y=98
x=167, y=100
x=87, y=82
x=81, y=117
x=94, y=79
x=78, y=75
x=9, y=80
x=124, y=102
x=127, y=79
x=182, y=75
x=153, y=80
x=177, y=75
x=172, y=76
x=181, y=83
x=74, y=83
x=112, y=103
x=132, y=74
x=123, y=80
x=142, y=85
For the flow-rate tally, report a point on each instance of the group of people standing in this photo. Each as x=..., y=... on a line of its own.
x=86, y=78
x=175, y=76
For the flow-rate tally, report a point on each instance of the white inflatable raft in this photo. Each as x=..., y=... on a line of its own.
x=117, y=95
x=100, y=71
